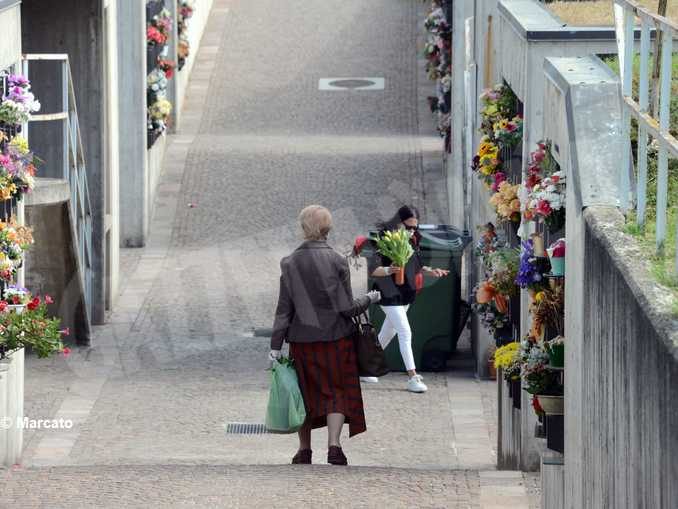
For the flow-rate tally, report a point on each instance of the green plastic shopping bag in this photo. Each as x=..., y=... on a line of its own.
x=285, y=412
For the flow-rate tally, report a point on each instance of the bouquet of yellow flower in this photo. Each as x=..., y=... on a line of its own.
x=397, y=247
x=506, y=202
x=508, y=358
x=487, y=162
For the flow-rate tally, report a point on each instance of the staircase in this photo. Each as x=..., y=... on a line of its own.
x=59, y=210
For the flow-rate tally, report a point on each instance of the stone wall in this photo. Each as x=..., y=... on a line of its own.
x=622, y=433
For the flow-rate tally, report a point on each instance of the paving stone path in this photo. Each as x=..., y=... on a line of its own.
x=178, y=360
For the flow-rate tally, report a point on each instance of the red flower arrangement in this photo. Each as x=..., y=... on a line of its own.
x=155, y=36
x=167, y=66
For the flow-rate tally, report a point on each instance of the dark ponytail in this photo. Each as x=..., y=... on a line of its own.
x=404, y=213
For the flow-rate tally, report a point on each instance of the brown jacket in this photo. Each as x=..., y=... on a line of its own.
x=316, y=302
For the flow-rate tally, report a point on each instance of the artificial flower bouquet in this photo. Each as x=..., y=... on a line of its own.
x=498, y=103
x=507, y=358
x=14, y=242
x=506, y=202
x=543, y=197
x=17, y=168
x=509, y=133
x=396, y=246
x=18, y=102
x=485, y=308
x=487, y=162
x=535, y=361
x=531, y=269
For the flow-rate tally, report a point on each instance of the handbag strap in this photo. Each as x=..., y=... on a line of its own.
x=362, y=318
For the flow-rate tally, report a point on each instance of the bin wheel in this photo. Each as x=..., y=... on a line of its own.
x=434, y=360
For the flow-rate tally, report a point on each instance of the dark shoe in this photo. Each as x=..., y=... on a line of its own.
x=302, y=457
x=335, y=456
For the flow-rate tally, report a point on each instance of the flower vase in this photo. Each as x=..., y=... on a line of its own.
x=538, y=245
x=558, y=266
x=492, y=369
x=557, y=355
x=400, y=277
x=552, y=405
x=17, y=308
x=502, y=303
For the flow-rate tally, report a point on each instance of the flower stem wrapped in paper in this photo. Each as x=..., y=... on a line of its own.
x=396, y=246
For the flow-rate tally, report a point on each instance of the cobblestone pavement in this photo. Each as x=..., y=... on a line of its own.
x=178, y=359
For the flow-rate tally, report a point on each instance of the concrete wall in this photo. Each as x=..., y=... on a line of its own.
x=113, y=91
x=622, y=433
x=509, y=434
x=132, y=80
x=76, y=27
x=10, y=24
x=11, y=408
x=141, y=167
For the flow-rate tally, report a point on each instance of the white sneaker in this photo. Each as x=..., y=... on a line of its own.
x=415, y=384
x=369, y=379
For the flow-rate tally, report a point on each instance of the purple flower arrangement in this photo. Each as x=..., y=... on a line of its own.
x=529, y=271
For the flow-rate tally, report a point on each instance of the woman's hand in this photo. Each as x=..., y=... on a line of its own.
x=437, y=272
x=273, y=357
x=393, y=270
x=374, y=295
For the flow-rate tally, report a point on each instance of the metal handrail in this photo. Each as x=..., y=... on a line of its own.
x=649, y=125
x=74, y=169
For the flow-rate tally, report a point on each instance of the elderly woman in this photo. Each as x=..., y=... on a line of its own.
x=314, y=313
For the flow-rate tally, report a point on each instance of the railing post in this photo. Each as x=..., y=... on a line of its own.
x=663, y=165
x=626, y=67
x=644, y=101
x=65, y=104
x=20, y=207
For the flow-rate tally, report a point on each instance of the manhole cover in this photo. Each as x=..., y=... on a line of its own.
x=243, y=428
x=351, y=83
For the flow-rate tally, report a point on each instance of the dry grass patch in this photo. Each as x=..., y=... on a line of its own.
x=599, y=12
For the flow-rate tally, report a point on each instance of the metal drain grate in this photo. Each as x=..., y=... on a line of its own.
x=351, y=83
x=243, y=428
x=337, y=84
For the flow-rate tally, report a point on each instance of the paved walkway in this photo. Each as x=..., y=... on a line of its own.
x=178, y=359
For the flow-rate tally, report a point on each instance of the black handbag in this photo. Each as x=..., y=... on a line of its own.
x=370, y=354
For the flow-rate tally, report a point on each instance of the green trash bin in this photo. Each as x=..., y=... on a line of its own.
x=438, y=315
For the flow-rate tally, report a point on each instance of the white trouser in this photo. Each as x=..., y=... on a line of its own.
x=396, y=323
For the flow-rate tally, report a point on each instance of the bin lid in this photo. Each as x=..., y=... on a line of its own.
x=434, y=237
x=443, y=237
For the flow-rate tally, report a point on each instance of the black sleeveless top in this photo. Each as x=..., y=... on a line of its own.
x=392, y=294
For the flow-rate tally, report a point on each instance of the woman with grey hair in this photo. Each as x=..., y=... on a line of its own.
x=314, y=312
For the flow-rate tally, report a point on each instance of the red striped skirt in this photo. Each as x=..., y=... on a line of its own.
x=329, y=382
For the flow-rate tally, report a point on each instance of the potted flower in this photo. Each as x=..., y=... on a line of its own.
x=397, y=247
x=32, y=328
x=15, y=299
x=539, y=380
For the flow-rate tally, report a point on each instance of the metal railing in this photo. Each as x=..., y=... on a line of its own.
x=651, y=124
x=73, y=168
